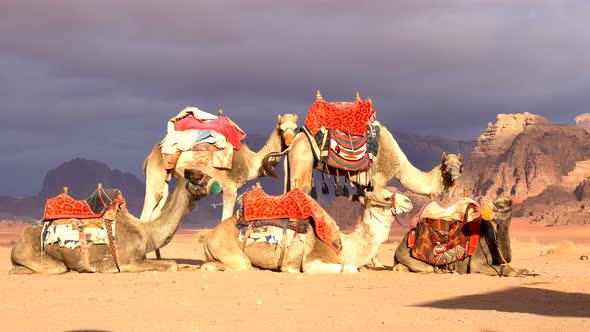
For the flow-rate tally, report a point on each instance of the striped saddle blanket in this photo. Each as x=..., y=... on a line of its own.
x=443, y=236
x=347, y=152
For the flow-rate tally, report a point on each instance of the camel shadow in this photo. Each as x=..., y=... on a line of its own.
x=528, y=300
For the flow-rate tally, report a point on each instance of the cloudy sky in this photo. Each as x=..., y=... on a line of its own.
x=99, y=79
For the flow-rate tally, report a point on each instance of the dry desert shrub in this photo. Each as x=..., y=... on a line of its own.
x=558, y=248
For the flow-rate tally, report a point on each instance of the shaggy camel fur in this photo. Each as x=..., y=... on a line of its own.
x=246, y=166
x=133, y=237
x=492, y=251
x=306, y=252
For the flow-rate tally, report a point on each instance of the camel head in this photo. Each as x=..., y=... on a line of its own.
x=200, y=184
x=387, y=201
x=498, y=211
x=451, y=167
x=287, y=126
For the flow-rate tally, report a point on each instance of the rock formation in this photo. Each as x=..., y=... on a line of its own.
x=583, y=120
x=535, y=162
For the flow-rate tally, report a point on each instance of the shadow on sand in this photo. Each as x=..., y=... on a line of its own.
x=521, y=300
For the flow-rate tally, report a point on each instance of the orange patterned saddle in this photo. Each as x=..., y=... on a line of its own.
x=294, y=205
x=95, y=206
x=442, y=236
x=348, y=117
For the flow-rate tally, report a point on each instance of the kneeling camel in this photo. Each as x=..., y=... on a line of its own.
x=133, y=237
x=307, y=252
x=493, y=249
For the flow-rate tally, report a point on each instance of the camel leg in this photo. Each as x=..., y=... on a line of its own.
x=156, y=187
x=222, y=250
x=377, y=265
x=141, y=266
x=229, y=201
x=315, y=267
x=27, y=257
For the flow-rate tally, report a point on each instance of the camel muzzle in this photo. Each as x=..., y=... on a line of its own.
x=455, y=173
x=288, y=137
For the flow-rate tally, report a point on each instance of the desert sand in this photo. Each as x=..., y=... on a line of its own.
x=195, y=300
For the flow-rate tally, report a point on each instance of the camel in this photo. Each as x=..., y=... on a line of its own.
x=306, y=252
x=493, y=250
x=246, y=166
x=133, y=239
x=390, y=162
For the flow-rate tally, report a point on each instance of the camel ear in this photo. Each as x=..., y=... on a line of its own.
x=444, y=156
x=279, y=118
x=460, y=156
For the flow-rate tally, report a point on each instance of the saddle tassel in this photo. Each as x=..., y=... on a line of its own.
x=337, y=186
x=313, y=193
x=345, y=192
x=325, y=189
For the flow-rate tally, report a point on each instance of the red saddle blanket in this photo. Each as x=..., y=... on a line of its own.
x=295, y=204
x=95, y=206
x=349, y=117
x=443, y=236
x=222, y=125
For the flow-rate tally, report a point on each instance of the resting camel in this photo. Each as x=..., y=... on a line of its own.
x=246, y=166
x=489, y=254
x=307, y=253
x=133, y=237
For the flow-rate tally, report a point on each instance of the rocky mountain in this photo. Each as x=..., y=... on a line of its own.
x=81, y=176
x=583, y=120
x=538, y=163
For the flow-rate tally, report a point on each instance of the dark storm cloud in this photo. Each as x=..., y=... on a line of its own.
x=99, y=79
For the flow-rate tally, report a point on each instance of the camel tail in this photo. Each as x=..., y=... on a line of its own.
x=270, y=161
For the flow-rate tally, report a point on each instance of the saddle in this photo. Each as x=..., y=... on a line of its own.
x=348, y=117
x=295, y=206
x=78, y=223
x=63, y=206
x=441, y=236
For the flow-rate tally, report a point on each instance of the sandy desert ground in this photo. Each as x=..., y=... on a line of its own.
x=194, y=300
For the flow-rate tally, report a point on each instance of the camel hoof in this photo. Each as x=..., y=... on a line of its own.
x=20, y=270
x=400, y=268
x=349, y=269
x=212, y=266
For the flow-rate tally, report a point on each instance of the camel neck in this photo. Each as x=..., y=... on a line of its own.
x=161, y=230
x=420, y=182
x=273, y=144
x=503, y=241
x=361, y=245
x=393, y=162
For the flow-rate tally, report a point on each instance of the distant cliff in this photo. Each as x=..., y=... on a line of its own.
x=526, y=157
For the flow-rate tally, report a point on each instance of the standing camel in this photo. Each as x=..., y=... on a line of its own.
x=306, y=252
x=246, y=166
x=492, y=251
x=390, y=162
x=133, y=239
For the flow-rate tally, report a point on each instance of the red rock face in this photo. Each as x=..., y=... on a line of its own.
x=525, y=157
x=583, y=120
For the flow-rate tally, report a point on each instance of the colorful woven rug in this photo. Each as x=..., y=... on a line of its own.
x=222, y=125
x=348, y=152
x=295, y=204
x=349, y=117
x=442, y=236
